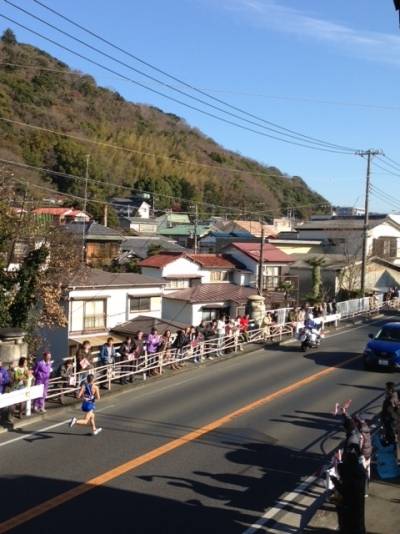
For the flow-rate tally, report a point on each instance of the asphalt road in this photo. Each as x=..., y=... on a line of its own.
x=174, y=456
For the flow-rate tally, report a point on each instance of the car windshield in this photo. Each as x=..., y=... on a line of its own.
x=389, y=334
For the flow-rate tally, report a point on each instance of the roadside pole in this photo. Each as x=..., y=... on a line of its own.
x=369, y=153
x=261, y=261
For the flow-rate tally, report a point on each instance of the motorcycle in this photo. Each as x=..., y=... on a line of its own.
x=309, y=338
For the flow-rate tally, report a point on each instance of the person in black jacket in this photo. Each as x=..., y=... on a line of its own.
x=181, y=341
x=390, y=415
x=351, y=486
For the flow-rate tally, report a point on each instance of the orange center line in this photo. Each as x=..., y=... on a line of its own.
x=126, y=467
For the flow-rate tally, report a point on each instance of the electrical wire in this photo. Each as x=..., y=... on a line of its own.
x=390, y=163
x=314, y=145
x=182, y=82
x=131, y=189
x=244, y=93
x=384, y=197
x=387, y=171
x=134, y=151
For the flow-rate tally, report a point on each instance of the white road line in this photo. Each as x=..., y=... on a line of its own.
x=40, y=431
x=280, y=505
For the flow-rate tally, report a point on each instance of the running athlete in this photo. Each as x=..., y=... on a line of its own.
x=89, y=393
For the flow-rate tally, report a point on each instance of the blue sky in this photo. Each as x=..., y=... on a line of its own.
x=328, y=69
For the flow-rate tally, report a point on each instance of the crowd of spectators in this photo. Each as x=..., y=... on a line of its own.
x=206, y=341
x=26, y=372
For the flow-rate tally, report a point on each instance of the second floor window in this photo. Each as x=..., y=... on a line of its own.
x=385, y=247
x=271, y=277
x=219, y=276
x=139, y=304
x=178, y=284
x=94, y=314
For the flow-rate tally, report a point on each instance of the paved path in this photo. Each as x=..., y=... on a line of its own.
x=212, y=450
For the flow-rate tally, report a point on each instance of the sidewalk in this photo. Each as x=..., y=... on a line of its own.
x=382, y=511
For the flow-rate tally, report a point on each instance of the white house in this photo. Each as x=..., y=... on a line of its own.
x=132, y=207
x=97, y=301
x=139, y=225
x=181, y=271
x=345, y=236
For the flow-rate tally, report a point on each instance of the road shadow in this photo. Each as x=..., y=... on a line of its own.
x=204, y=502
x=344, y=360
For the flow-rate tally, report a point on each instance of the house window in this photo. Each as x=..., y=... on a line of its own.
x=139, y=304
x=94, y=314
x=209, y=314
x=219, y=276
x=271, y=277
x=385, y=247
x=178, y=284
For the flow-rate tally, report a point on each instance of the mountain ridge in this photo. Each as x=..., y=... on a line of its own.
x=50, y=95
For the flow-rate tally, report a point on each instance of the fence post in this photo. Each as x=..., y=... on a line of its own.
x=161, y=362
x=145, y=365
x=28, y=407
x=109, y=375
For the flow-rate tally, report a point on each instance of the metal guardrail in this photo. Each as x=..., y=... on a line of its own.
x=156, y=363
x=147, y=364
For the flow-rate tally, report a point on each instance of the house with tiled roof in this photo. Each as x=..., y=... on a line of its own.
x=102, y=244
x=184, y=270
x=61, y=215
x=276, y=263
x=206, y=302
x=97, y=301
x=255, y=228
x=184, y=234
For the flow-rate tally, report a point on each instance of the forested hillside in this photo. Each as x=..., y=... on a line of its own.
x=70, y=102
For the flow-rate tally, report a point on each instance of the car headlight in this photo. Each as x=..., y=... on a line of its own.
x=397, y=352
x=368, y=352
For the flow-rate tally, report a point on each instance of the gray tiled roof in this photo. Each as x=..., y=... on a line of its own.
x=88, y=277
x=203, y=293
x=140, y=245
x=338, y=224
x=145, y=324
x=94, y=230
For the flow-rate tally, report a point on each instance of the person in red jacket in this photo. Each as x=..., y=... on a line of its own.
x=244, y=327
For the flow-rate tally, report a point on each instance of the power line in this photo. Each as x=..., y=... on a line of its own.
x=391, y=163
x=179, y=80
x=384, y=198
x=131, y=189
x=314, y=145
x=227, y=91
x=386, y=169
x=147, y=154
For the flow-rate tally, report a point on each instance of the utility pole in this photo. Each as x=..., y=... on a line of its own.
x=370, y=153
x=261, y=261
x=105, y=215
x=85, y=208
x=196, y=216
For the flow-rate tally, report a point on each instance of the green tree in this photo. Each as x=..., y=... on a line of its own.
x=316, y=264
x=9, y=37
